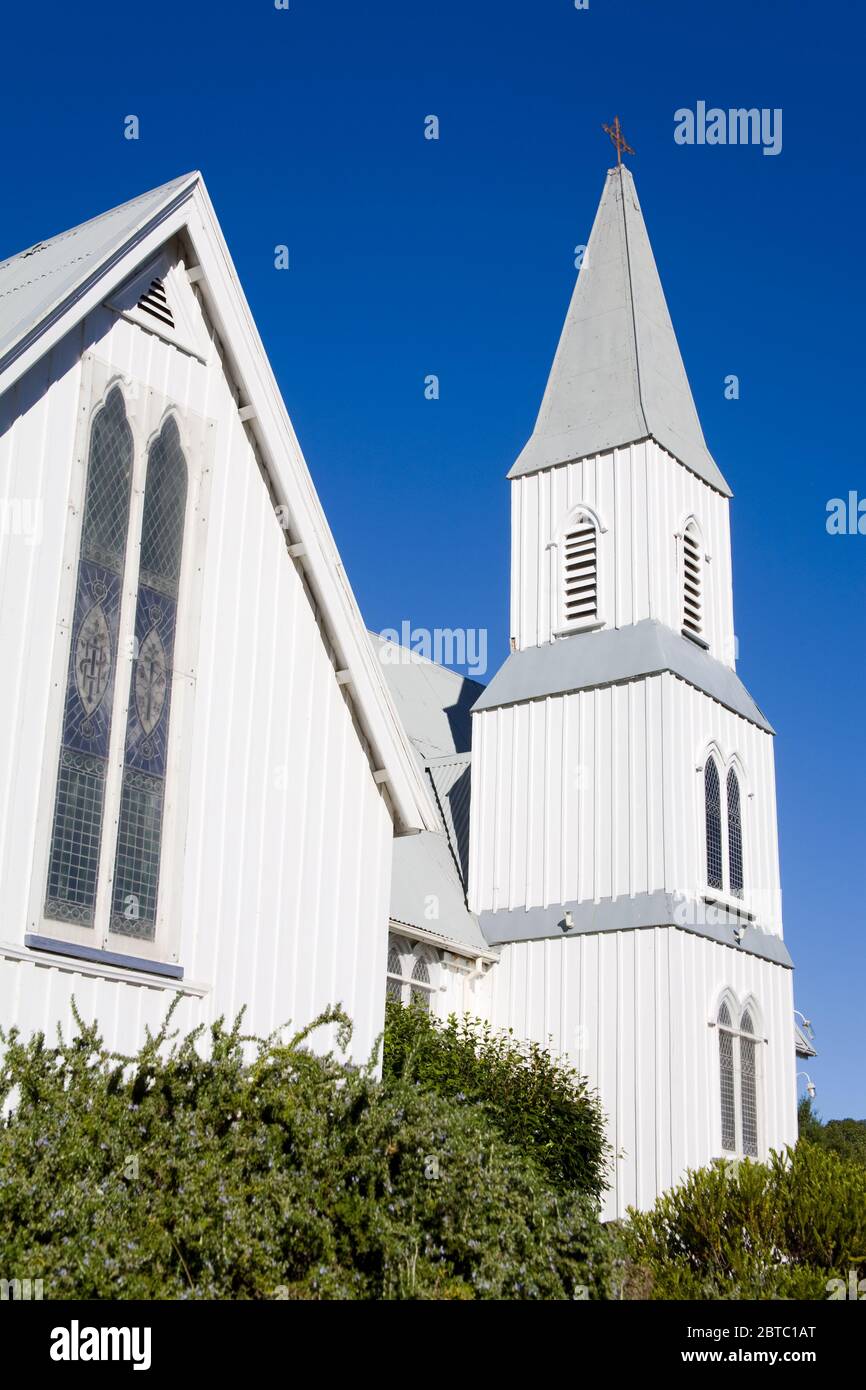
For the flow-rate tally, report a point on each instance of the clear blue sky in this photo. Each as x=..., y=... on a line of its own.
x=455, y=257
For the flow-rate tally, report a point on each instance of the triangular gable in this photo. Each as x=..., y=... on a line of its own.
x=46, y=291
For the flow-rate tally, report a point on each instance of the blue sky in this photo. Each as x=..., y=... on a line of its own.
x=455, y=257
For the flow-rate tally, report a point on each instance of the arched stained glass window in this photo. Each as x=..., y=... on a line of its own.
x=73, y=864
x=748, y=1085
x=726, y=1079
x=735, y=836
x=139, y=832
x=713, y=811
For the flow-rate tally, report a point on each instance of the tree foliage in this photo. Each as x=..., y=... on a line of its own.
x=847, y=1138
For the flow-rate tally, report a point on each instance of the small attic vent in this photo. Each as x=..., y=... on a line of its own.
x=154, y=301
x=580, y=572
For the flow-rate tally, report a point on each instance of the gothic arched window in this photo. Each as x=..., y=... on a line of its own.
x=393, y=981
x=713, y=818
x=726, y=1080
x=735, y=836
x=139, y=831
x=420, y=988
x=579, y=549
x=738, y=1078
x=408, y=979
x=73, y=863
x=693, y=619
x=748, y=1085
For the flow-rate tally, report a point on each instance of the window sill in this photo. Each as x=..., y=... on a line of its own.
x=726, y=900
x=110, y=965
x=698, y=641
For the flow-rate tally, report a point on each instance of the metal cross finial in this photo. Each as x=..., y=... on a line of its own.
x=618, y=139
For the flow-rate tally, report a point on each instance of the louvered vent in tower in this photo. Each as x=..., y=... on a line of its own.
x=692, y=598
x=580, y=572
x=154, y=301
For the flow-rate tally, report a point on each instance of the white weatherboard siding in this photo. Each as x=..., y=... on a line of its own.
x=642, y=497
x=284, y=861
x=632, y=1011
x=597, y=794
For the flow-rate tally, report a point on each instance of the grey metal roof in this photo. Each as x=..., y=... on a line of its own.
x=452, y=786
x=618, y=376
x=432, y=701
x=659, y=909
x=37, y=282
x=614, y=655
x=425, y=876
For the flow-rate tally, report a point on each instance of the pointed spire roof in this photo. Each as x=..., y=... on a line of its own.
x=618, y=376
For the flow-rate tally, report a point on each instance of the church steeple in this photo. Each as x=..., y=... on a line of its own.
x=618, y=376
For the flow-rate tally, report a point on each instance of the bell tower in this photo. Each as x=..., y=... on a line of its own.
x=623, y=842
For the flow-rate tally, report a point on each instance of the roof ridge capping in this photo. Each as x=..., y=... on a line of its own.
x=618, y=376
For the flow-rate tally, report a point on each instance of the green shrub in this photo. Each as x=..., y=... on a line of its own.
x=780, y=1229
x=261, y=1170
x=535, y=1102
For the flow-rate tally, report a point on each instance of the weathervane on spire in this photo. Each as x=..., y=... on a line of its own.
x=618, y=139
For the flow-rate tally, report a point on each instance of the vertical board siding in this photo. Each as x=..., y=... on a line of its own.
x=632, y=1012
x=287, y=848
x=598, y=794
x=643, y=498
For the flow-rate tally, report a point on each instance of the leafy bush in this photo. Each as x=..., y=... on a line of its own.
x=261, y=1170
x=535, y=1102
x=754, y=1230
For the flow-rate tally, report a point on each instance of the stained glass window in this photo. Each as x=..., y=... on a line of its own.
x=726, y=1077
x=139, y=833
x=713, y=808
x=735, y=836
x=79, y=799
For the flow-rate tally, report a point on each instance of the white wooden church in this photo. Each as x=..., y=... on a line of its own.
x=214, y=782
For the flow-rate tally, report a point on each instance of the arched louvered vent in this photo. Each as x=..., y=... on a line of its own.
x=580, y=571
x=154, y=301
x=692, y=576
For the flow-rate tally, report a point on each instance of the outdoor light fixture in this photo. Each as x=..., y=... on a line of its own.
x=810, y=1085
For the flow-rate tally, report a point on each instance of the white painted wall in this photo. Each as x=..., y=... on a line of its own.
x=642, y=497
x=281, y=898
x=632, y=1010
x=598, y=794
